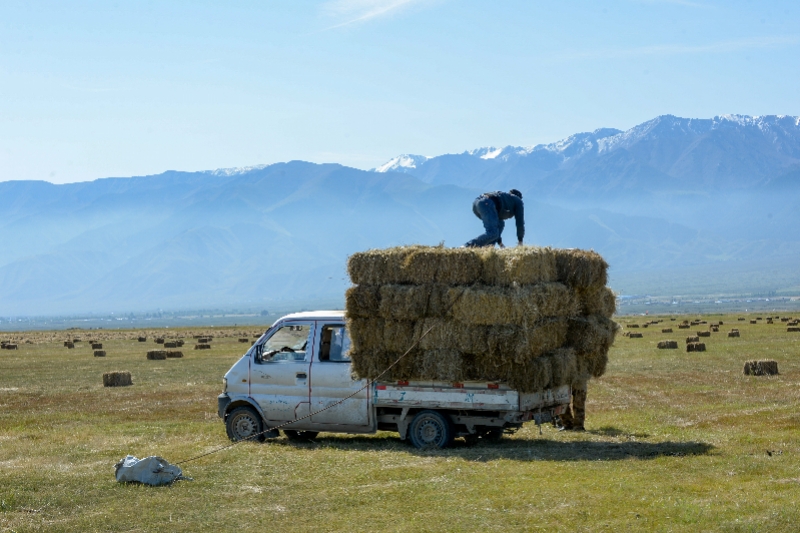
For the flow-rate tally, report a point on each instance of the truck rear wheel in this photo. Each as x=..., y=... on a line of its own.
x=243, y=423
x=431, y=429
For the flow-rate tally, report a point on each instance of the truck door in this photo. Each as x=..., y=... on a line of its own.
x=279, y=372
x=331, y=381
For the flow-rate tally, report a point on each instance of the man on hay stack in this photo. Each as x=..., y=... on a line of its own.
x=493, y=208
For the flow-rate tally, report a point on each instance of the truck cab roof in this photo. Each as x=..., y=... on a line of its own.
x=314, y=315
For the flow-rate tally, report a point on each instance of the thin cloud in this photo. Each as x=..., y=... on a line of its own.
x=361, y=11
x=672, y=49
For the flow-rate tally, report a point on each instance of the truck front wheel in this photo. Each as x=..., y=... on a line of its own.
x=243, y=423
x=431, y=429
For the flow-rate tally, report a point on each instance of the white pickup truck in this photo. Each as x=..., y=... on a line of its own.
x=299, y=371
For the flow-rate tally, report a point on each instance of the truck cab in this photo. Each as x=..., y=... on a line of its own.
x=298, y=377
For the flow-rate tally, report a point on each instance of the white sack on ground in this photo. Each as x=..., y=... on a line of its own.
x=150, y=471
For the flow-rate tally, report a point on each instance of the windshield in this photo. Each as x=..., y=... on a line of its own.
x=289, y=343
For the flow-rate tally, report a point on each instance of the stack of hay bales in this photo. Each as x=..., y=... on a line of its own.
x=530, y=317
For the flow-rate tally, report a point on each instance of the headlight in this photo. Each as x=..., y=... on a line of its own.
x=224, y=384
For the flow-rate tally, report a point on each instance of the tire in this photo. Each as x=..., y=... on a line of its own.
x=293, y=434
x=431, y=429
x=244, y=422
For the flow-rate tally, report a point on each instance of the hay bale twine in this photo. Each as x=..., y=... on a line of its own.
x=202, y=346
x=174, y=354
x=666, y=330
x=668, y=345
x=156, y=355
x=703, y=333
x=733, y=333
x=99, y=353
x=761, y=368
x=142, y=339
x=696, y=347
x=635, y=335
x=117, y=379
x=97, y=346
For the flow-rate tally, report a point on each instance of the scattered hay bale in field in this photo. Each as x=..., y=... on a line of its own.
x=170, y=344
x=69, y=344
x=244, y=340
x=785, y=319
x=202, y=346
x=733, y=333
x=720, y=323
x=793, y=323
x=761, y=368
x=160, y=340
x=204, y=340
x=142, y=339
x=694, y=323
x=696, y=347
x=97, y=346
x=683, y=326
x=667, y=345
x=741, y=319
x=156, y=355
x=666, y=330
x=633, y=325
x=754, y=322
x=714, y=329
x=179, y=343
x=76, y=339
x=99, y=353
x=769, y=321
x=117, y=379
x=635, y=335
x=9, y=346
x=703, y=333
x=645, y=325
x=690, y=340
x=792, y=329
x=174, y=355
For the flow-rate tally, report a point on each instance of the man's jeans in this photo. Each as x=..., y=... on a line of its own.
x=484, y=209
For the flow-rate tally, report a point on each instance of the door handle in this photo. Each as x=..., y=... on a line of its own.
x=301, y=375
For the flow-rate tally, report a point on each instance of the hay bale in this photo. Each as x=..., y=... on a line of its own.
x=174, y=355
x=633, y=325
x=692, y=339
x=205, y=340
x=362, y=301
x=97, y=346
x=683, y=326
x=733, y=333
x=413, y=302
x=160, y=340
x=156, y=355
x=202, y=346
x=69, y=344
x=591, y=338
x=244, y=340
x=179, y=343
x=99, y=353
x=741, y=318
x=142, y=339
x=486, y=305
x=170, y=344
x=761, y=368
x=792, y=329
x=117, y=379
x=666, y=330
x=667, y=345
x=635, y=335
x=754, y=321
x=9, y=346
x=714, y=329
x=696, y=347
x=703, y=333
x=581, y=268
x=520, y=265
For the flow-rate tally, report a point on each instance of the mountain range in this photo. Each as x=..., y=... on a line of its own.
x=677, y=206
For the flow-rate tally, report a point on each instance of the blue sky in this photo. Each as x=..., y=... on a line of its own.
x=114, y=88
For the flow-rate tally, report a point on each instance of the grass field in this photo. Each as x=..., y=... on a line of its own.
x=676, y=441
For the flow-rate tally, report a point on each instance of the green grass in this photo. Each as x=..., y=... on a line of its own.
x=676, y=441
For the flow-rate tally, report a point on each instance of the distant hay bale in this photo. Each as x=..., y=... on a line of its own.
x=714, y=329
x=9, y=346
x=696, y=347
x=97, y=346
x=156, y=355
x=761, y=368
x=117, y=379
x=69, y=344
x=645, y=325
x=635, y=335
x=99, y=353
x=683, y=326
x=633, y=325
x=792, y=329
x=179, y=343
x=202, y=346
x=754, y=321
x=741, y=318
x=666, y=330
x=690, y=340
x=174, y=355
x=733, y=333
x=203, y=340
x=703, y=333
x=244, y=340
x=142, y=339
x=668, y=345
x=159, y=340
x=170, y=344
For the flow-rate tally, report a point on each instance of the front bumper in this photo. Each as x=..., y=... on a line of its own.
x=223, y=401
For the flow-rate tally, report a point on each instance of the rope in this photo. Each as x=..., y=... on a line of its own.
x=367, y=385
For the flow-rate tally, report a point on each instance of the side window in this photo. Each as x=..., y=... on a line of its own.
x=334, y=344
x=289, y=343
